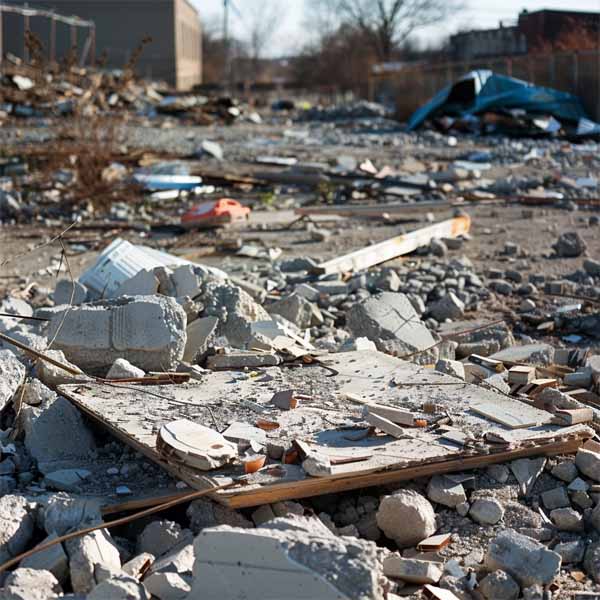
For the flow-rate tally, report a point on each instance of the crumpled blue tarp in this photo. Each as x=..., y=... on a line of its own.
x=484, y=90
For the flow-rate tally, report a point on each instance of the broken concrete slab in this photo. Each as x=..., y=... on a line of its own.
x=149, y=331
x=407, y=517
x=391, y=322
x=13, y=306
x=528, y=561
x=535, y=354
x=12, y=377
x=242, y=360
x=55, y=434
x=290, y=559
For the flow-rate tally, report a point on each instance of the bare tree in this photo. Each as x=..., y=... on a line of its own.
x=388, y=23
x=263, y=22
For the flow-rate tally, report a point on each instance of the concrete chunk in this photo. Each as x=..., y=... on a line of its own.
x=444, y=491
x=86, y=553
x=412, y=570
x=528, y=561
x=588, y=462
x=406, y=517
x=486, y=511
x=55, y=434
x=295, y=309
x=451, y=367
x=167, y=586
x=499, y=586
x=66, y=289
x=119, y=587
x=12, y=376
x=390, y=321
x=289, y=559
x=234, y=308
x=17, y=520
x=149, y=331
x=32, y=582
x=54, y=559
x=161, y=536
x=123, y=369
x=448, y=307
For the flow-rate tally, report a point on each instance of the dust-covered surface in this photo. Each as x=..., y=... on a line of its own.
x=501, y=286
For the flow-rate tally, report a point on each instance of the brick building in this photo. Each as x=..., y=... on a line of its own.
x=174, y=55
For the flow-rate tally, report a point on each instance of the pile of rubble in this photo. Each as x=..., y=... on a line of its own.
x=485, y=514
x=28, y=92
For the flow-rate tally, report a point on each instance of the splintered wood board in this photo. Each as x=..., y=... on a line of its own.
x=135, y=413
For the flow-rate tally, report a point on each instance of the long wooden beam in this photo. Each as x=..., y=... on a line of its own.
x=394, y=247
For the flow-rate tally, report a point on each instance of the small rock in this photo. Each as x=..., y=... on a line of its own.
x=499, y=585
x=565, y=471
x=567, y=519
x=444, y=491
x=570, y=245
x=555, y=498
x=486, y=511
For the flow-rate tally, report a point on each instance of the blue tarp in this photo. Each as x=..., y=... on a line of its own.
x=483, y=90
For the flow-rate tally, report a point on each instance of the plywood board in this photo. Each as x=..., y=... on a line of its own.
x=329, y=421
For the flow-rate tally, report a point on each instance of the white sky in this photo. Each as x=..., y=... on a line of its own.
x=291, y=34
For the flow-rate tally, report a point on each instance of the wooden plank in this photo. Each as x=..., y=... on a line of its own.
x=135, y=414
x=395, y=247
x=376, y=210
x=315, y=486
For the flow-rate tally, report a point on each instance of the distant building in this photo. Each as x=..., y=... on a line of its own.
x=174, y=55
x=546, y=27
x=484, y=43
x=537, y=29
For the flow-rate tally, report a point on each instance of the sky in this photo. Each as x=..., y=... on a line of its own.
x=291, y=33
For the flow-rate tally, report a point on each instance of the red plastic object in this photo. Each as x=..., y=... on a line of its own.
x=214, y=214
